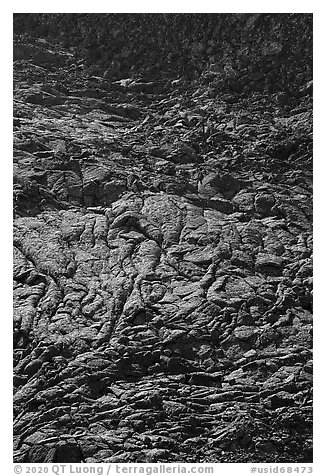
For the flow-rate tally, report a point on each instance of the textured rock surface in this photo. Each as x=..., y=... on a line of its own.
x=162, y=268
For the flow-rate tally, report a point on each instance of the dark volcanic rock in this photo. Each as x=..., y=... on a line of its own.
x=162, y=240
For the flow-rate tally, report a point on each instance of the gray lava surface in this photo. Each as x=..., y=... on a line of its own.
x=162, y=264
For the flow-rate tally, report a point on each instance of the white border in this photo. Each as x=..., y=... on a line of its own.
x=167, y=6
x=153, y=6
